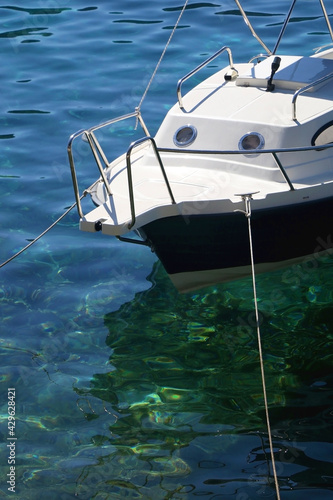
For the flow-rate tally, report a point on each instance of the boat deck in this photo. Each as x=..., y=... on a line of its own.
x=194, y=189
x=209, y=174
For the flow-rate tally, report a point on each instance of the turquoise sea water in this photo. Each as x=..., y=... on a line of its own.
x=123, y=387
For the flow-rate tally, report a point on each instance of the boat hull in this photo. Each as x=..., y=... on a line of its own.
x=199, y=250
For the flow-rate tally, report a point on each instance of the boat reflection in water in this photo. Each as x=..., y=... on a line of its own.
x=184, y=407
x=258, y=131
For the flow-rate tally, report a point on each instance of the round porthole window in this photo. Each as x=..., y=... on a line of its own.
x=250, y=141
x=185, y=136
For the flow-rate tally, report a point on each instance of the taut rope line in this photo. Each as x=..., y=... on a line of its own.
x=41, y=235
x=138, y=109
x=247, y=200
x=162, y=55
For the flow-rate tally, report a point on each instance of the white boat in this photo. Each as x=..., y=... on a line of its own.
x=259, y=131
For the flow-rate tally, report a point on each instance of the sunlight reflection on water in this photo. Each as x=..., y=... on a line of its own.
x=124, y=387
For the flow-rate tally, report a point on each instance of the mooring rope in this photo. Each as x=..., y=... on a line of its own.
x=247, y=199
x=162, y=56
x=137, y=109
x=40, y=236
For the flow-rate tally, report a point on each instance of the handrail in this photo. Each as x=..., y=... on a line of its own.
x=89, y=133
x=92, y=143
x=256, y=152
x=135, y=113
x=198, y=68
x=246, y=152
x=157, y=152
x=73, y=171
x=305, y=89
x=130, y=179
x=258, y=56
x=283, y=172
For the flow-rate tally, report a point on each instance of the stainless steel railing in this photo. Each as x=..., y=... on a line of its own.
x=100, y=158
x=305, y=89
x=97, y=151
x=198, y=68
x=254, y=152
x=130, y=179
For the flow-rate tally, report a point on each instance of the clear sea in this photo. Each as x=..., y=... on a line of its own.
x=122, y=387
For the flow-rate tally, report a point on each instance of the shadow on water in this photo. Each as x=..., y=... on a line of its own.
x=184, y=393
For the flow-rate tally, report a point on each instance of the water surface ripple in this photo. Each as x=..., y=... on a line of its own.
x=124, y=388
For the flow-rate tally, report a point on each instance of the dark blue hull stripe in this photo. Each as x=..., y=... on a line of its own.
x=207, y=242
